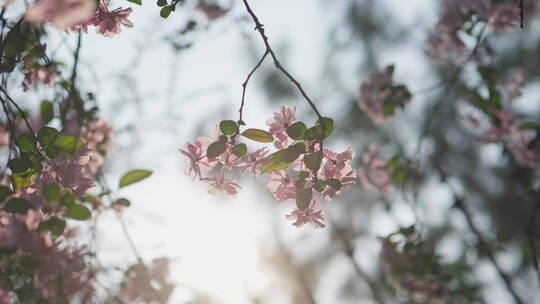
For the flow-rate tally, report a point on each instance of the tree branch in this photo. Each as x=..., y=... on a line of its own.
x=244, y=85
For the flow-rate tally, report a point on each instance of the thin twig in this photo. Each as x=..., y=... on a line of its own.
x=522, y=13
x=260, y=28
x=244, y=85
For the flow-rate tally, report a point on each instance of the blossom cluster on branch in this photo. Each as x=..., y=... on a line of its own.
x=297, y=170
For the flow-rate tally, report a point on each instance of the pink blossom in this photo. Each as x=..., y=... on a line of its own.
x=374, y=172
x=379, y=96
x=281, y=185
x=516, y=84
x=525, y=155
x=503, y=18
x=338, y=167
x=46, y=75
x=282, y=140
x=212, y=11
x=228, y=159
x=219, y=185
x=504, y=127
x=98, y=138
x=255, y=161
x=197, y=160
x=282, y=119
x=108, y=22
x=61, y=13
x=312, y=215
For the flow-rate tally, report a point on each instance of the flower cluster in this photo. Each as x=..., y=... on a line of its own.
x=375, y=173
x=459, y=17
x=297, y=170
x=75, y=15
x=380, y=97
x=45, y=75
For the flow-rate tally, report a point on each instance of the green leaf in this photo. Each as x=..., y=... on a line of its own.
x=290, y=154
x=55, y=225
x=161, y=3
x=277, y=163
x=297, y=130
x=47, y=111
x=78, y=212
x=529, y=126
x=224, y=139
x=303, y=174
x=258, y=135
x=216, y=149
x=69, y=199
x=319, y=185
x=20, y=181
x=4, y=193
x=17, y=205
x=26, y=142
x=328, y=126
x=313, y=161
x=47, y=135
x=165, y=12
x=399, y=176
x=69, y=145
x=313, y=133
x=19, y=165
x=138, y=2
x=303, y=198
x=133, y=176
x=240, y=150
x=52, y=193
x=228, y=127
x=334, y=183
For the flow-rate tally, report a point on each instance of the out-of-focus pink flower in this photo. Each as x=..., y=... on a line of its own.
x=45, y=75
x=219, y=185
x=197, y=160
x=503, y=18
x=4, y=136
x=504, y=128
x=374, y=172
x=212, y=11
x=255, y=161
x=312, y=215
x=61, y=13
x=108, y=22
x=281, y=185
x=525, y=155
x=98, y=138
x=379, y=96
x=282, y=140
x=516, y=84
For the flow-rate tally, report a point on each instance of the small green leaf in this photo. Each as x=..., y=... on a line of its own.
x=319, y=185
x=224, y=139
x=240, y=150
x=290, y=154
x=19, y=165
x=133, y=176
x=78, y=212
x=303, y=174
x=69, y=145
x=328, y=126
x=277, y=162
x=26, y=142
x=399, y=176
x=297, y=130
x=313, y=161
x=161, y=3
x=20, y=181
x=55, y=225
x=4, y=193
x=300, y=147
x=529, y=126
x=138, y=2
x=334, y=183
x=313, y=133
x=69, y=199
x=165, y=12
x=228, y=127
x=18, y=205
x=303, y=198
x=258, y=135
x=47, y=111
x=52, y=193
x=216, y=149
x=47, y=135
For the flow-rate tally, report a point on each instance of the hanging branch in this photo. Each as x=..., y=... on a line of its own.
x=260, y=28
x=522, y=13
x=244, y=85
